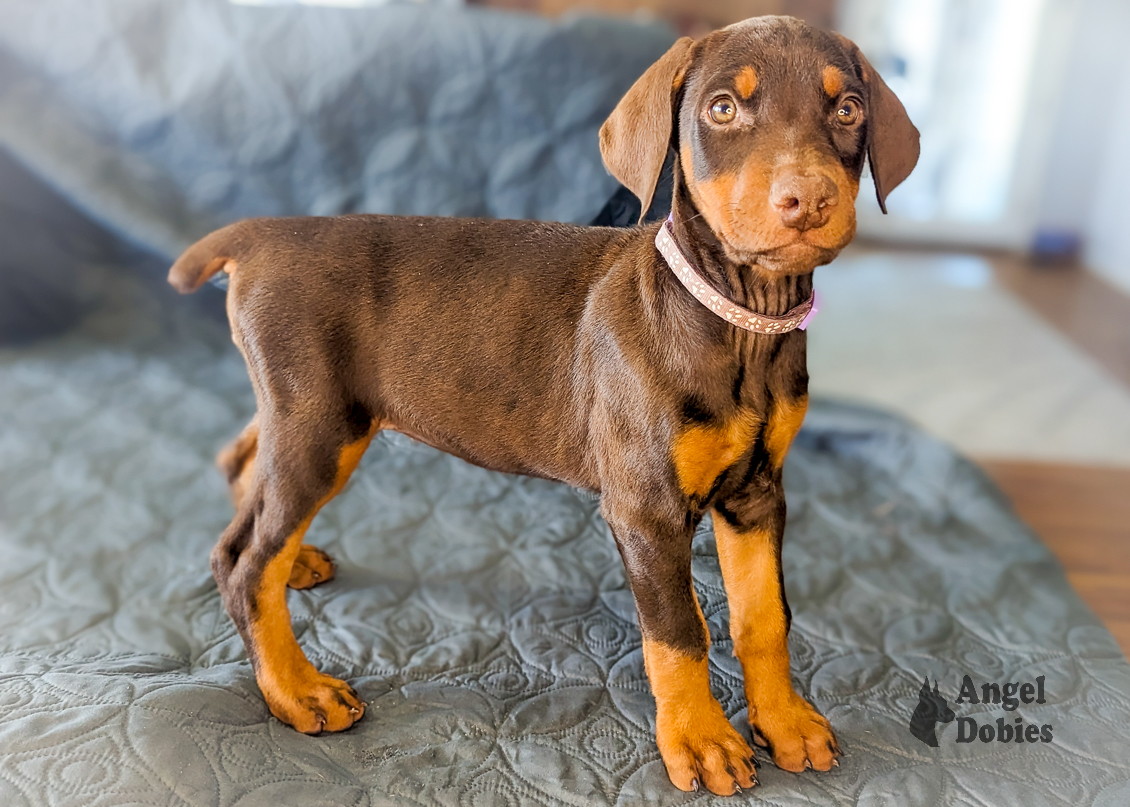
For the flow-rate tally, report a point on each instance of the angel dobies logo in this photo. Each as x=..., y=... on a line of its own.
x=933, y=708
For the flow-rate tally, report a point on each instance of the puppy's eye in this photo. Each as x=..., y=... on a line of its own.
x=849, y=112
x=722, y=110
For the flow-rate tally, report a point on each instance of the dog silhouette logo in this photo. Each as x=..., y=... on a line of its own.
x=932, y=708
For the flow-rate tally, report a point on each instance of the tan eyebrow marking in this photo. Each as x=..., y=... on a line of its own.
x=834, y=81
x=746, y=81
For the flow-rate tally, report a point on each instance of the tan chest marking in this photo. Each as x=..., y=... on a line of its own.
x=703, y=453
x=784, y=423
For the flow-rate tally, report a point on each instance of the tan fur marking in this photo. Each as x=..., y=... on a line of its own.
x=783, y=425
x=746, y=81
x=739, y=213
x=295, y=691
x=311, y=568
x=757, y=617
x=702, y=453
x=737, y=207
x=237, y=460
x=694, y=737
x=714, y=198
x=797, y=733
x=834, y=81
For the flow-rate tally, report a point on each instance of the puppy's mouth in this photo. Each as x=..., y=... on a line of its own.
x=759, y=241
x=799, y=255
x=803, y=250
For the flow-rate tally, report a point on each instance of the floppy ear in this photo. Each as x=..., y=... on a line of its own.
x=635, y=138
x=892, y=140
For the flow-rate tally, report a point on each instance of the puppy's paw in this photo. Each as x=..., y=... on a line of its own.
x=798, y=736
x=319, y=703
x=311, y=567
x=701, y=749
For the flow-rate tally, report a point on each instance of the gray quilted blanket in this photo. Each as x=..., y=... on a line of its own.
x=167, y=120
x=485, y=617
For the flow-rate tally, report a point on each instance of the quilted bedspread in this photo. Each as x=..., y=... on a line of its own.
x=167, y=120
x=485, y=618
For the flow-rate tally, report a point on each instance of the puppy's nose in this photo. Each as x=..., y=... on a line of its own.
x=804, y=202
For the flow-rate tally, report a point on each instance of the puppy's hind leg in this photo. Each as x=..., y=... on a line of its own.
x=311, y=568
x=299, y=470
x=237, y=463
x=236, y=460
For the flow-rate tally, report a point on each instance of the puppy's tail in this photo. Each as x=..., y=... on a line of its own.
x=219, y=251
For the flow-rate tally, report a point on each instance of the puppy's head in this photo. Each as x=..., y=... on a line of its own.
x=772, y=121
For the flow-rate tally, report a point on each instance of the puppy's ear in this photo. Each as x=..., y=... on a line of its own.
x=892, y=140
x=635, y=138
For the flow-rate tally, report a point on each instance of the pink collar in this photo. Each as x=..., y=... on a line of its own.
x=727, y=309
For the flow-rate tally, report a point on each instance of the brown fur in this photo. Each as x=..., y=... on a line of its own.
x=295, y=692
x=574, y=354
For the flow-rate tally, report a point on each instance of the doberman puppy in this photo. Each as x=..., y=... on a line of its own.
x=577, y=354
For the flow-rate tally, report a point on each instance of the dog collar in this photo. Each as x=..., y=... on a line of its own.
x=727, y=309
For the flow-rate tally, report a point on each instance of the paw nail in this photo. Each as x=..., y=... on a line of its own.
x=737, y=789
x=694, y=785
x=836, y=762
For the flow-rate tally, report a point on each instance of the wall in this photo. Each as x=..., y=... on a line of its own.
x=1088, y=169
x=1108, y=223
x=694, y=17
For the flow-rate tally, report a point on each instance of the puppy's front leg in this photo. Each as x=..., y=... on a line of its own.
x=748, y=530
x=750, y=556
x=696, y=741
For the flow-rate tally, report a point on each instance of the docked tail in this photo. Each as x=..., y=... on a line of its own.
x=219, y=251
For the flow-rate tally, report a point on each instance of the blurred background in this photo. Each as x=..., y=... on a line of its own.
x=991, y=307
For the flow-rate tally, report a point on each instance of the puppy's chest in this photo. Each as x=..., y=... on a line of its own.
x=703, y=451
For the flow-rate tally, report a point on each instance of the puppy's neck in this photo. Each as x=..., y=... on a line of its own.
x=751, y=286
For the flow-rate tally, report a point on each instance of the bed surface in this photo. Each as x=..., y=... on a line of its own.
x=485, y=617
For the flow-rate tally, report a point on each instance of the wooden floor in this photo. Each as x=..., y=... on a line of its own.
x=1083, y=514
x=1088, y=310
